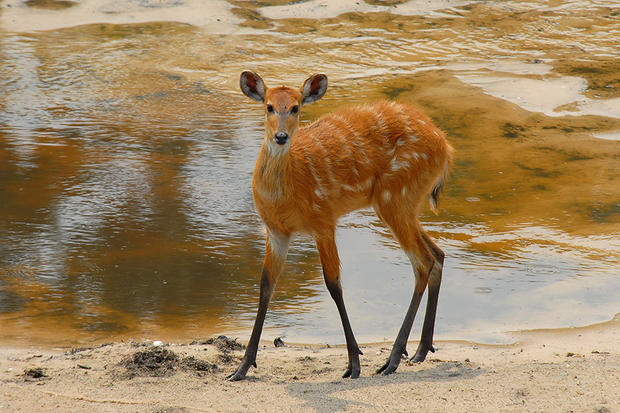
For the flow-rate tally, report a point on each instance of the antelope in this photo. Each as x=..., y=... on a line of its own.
x=386, y=155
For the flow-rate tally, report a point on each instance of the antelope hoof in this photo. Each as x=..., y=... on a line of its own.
x=353, y=369
x=352, y=372
x=236, y=376
x=388, y=368
x=420, y=355
x=241, y=371
x=392, y=363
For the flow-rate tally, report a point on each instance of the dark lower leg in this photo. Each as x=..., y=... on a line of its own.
x=434, y=283
x=426, y=342
x=353, y=370
x=249, y=359
x=400, y=344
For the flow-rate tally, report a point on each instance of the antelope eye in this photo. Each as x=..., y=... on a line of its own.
x=294, y=109
x=269, y=108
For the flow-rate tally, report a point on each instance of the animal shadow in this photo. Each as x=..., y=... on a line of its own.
x=321, y=396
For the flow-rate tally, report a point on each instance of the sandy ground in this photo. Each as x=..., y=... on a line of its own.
x=567, y=370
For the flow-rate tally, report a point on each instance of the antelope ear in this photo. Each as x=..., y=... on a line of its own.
x=313, y=89
x=252, y=86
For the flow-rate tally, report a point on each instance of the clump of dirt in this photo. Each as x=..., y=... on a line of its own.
x=35, y=373
x=225, y=344
x=226, y=358
x=161, y=362
x=201, y=367
x=153, y=362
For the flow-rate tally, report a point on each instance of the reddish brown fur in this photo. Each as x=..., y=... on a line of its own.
x=345, y=161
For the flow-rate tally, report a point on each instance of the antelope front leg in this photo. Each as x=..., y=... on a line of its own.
x=331, y=272
x=275, y=255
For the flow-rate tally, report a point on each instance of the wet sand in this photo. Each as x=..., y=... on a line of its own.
x=576, y=369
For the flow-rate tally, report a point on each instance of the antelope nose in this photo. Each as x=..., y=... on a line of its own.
x=281, y=138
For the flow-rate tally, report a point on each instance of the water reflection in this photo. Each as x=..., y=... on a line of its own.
x=126, y=155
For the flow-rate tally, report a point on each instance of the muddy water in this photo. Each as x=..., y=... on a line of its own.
x=126, y=154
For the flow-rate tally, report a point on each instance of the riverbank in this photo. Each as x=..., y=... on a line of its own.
x=575, y=369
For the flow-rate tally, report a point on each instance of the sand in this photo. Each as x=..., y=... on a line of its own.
x=564, y=370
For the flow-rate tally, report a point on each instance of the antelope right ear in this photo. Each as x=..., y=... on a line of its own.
x=252, y=86
x=313, y=89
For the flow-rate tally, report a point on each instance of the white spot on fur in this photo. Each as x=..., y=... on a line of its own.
x=396, y=165
x=330, y=174
x=421, y=122
x=278, y=243
x=381, y=123
x=365, y=185
x=319, y=193
x=353, y=136
x=412, y=137
x=424, y=156
x=404, y=118
x=415, y=155
x=315, y=176
x=386, y=195
x=358, y=147
x=403, y=191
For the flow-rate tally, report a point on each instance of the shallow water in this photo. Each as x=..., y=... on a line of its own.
x=126, y=154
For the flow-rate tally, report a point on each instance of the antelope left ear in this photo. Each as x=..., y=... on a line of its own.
x=252, y=86
x=313, y=89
